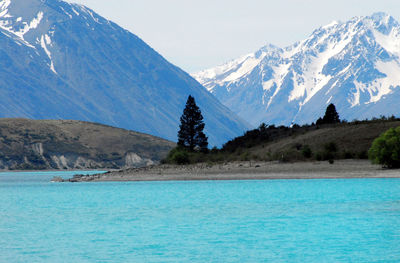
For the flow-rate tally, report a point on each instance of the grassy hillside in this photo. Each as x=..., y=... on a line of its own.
x=342, y=141
x=306, y=143
x=61, y=144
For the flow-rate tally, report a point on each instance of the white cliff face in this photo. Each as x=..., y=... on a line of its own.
x=355, y=65
x=63, y=61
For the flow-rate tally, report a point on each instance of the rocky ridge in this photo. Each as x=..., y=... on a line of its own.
x=353, y=64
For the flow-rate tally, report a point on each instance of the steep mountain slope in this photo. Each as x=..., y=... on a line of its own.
x=56, y=144
x=355, y=65
x=63, y=61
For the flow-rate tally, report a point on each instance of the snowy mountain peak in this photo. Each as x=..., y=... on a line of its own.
x=380, y=17
x=355, y=64
x=34, y=22
x=64, y=61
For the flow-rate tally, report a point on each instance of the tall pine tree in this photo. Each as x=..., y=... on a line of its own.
x=331, y=116
x=191, y=133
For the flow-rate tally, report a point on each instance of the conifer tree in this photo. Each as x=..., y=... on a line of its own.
x=331, y=116
x=191, y=133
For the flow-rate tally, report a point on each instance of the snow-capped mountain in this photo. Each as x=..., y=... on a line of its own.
x=354, y=64
x=64, y=61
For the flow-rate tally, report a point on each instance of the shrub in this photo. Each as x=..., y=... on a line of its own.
x=306, y=151
x=331, y=147
x=328, y=156
x=385, y=150
x=180, y=157
x=245, y=156
x=214, y=150
x=348, y=155
x=298, y=146
x=197, y=157
x=329, y=153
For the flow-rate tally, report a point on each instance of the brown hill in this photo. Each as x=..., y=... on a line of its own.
x=68, y=144
x=341, y=141
x=305, y=143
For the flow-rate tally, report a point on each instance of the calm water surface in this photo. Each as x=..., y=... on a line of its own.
x=245, y=221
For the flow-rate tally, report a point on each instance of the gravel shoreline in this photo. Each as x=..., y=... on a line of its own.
x=246, y=171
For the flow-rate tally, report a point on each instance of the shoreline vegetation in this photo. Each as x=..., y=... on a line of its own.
x=251, y=170
x=317, y=151
x=325, y=149
x=329, y=138
x=307, y=143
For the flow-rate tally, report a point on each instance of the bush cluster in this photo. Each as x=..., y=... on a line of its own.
x=385, y=150
x=306, y=151
x=178, y=155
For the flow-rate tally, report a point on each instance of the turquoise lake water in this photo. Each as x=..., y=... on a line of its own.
x=234, y=221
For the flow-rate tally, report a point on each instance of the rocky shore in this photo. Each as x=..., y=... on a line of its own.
x=245, y=171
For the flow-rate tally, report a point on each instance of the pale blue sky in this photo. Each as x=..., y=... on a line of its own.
x=196, y=35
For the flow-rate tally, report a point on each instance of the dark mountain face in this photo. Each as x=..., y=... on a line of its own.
x=61, y=60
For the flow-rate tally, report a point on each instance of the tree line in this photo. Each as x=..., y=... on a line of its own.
x=385, y=150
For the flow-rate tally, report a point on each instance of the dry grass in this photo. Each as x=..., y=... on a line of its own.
x=353, y=139
x=102, y=144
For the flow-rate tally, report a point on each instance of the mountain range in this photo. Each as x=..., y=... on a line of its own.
x=63, y=61
x=354, y=65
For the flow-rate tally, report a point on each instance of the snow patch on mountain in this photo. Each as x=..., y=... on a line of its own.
x=25, y=28
x=4, y=4
x=76, y=12
x=390, y=41
x=64, y=61
x=44, y=41
x=384, y=86
x=354, y=64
